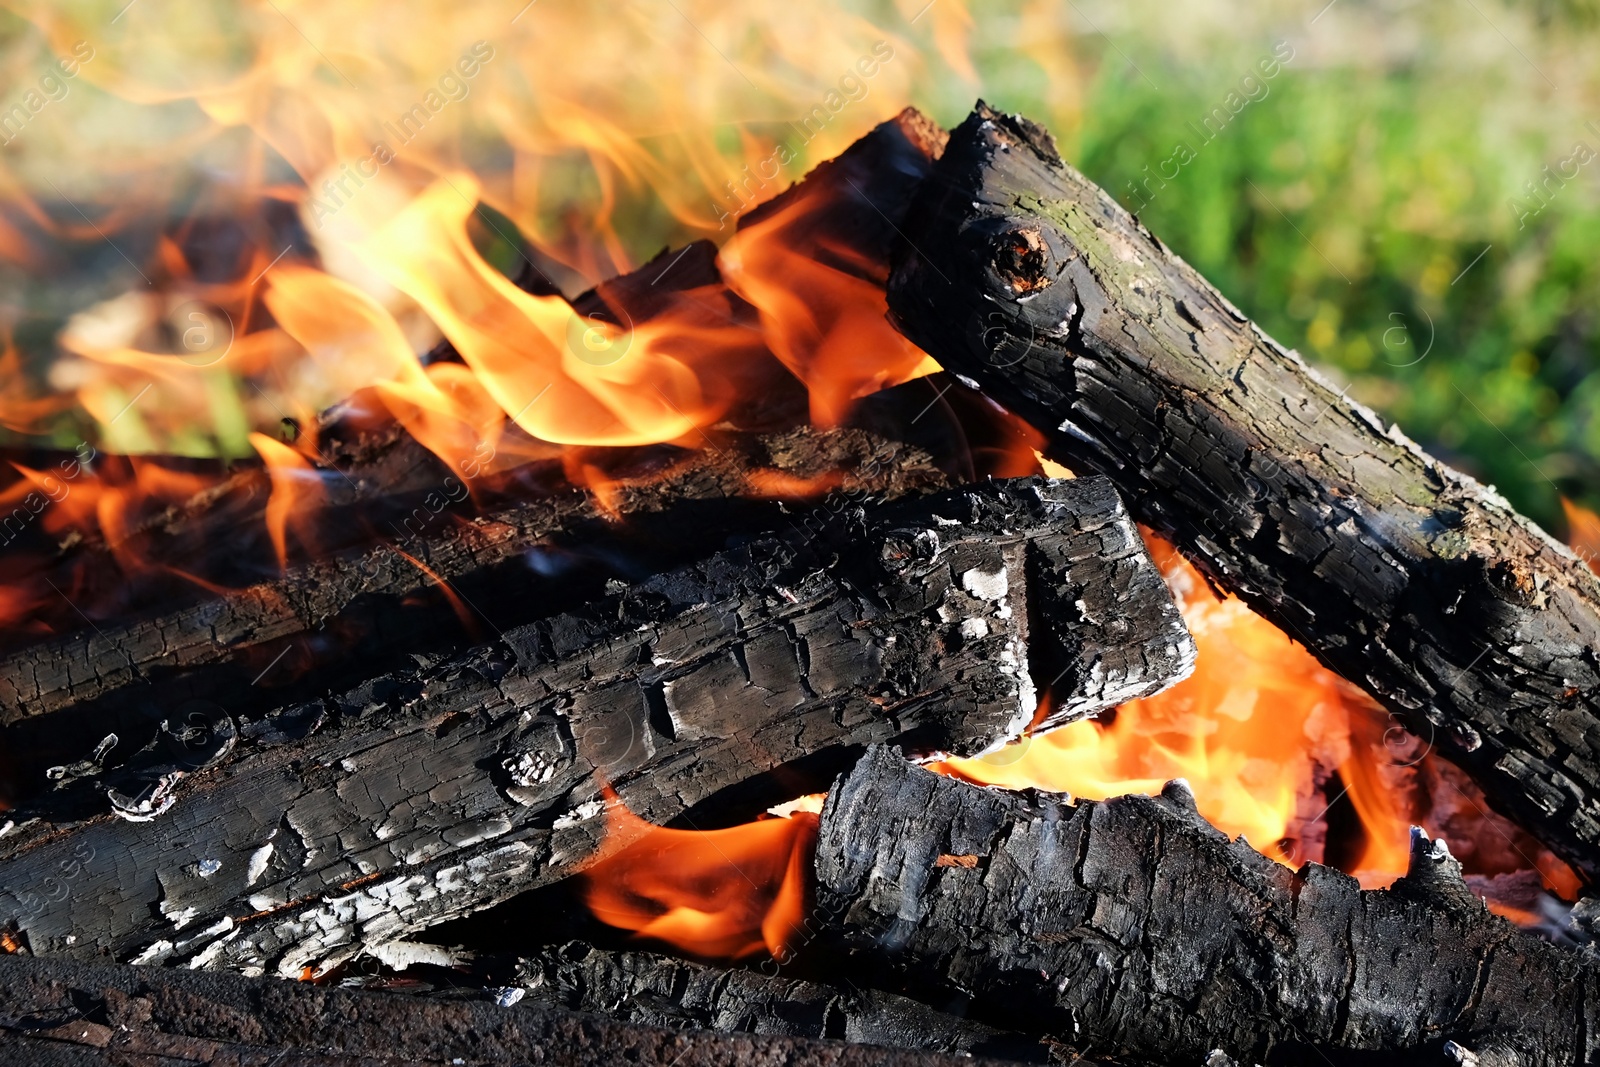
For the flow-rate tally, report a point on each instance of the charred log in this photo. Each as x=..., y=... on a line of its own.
x=867, y=189
x=1401, y=574
x=298, y=839
x=1132, y=928
x=652, y=990
x=65, y=1012
x=351, y=611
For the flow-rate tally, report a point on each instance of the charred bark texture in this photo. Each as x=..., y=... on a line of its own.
x=70, y=1013
x=90, y=664
x=1401, y=574
x=646, y=989
x=1133, y=929
x=295, y=840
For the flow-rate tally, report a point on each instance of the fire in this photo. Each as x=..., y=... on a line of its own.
x=1271, y=742
x=369, y=189
x=604, y=386
x=328, y=212
x=383, y=141
x=1243, y=729
x=819, y=318
x=719, y=894
x=295, y=482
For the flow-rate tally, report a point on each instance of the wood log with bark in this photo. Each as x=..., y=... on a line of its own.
x=649, y=989
x=69, y=1013
x=1133, y=929
x=296, y=839
x=345, y=617
x=382, y=490
x=1399, y=573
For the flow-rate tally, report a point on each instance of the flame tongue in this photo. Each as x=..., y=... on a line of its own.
x=721, y=894
x=560, y=378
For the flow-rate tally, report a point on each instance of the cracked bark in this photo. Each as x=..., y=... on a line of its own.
x=643, y=988
x=1399, y=573
x=348, y=611
x=741, y=681
x=66, y=1012
x=1131, y=928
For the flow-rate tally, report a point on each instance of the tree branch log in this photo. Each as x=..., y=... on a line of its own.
x=1401, y=574
x=652, y=990
x=296, y=840
x=1131, y=928
x=349, y=611
x=70, y=1013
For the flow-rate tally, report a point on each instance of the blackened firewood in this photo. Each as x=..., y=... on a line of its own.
x=349, y=611
x=643, y=988
x=372, y=472
x=66, y=1012
x=1399, y=573
x=746, y=679
x=1132, y=928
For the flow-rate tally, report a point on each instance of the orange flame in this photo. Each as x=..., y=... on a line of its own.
x=1583, y=533
x=820, y=318
x=1241, y=729
x=296, y=491
x=717, y=894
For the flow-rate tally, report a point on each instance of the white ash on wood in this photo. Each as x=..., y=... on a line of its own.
x=428, y=794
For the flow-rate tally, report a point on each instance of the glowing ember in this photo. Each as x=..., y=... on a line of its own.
x=722, y=894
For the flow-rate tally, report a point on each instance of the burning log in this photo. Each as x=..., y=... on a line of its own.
x=298, y=839
x=356, y=589
x=66, y=1012
x=346, y=612
x=647, y=989
x=1401, y=574
x=1132, y=928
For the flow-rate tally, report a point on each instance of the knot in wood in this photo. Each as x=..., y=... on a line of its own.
x=1022, y=259
x=1515, y=580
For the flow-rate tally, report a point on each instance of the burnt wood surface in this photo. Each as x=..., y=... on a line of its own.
x=655, y=990
x=1133, y=929
x=1399, y=573
x=296, y=839
x=70, y=1013
x=342, y=616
